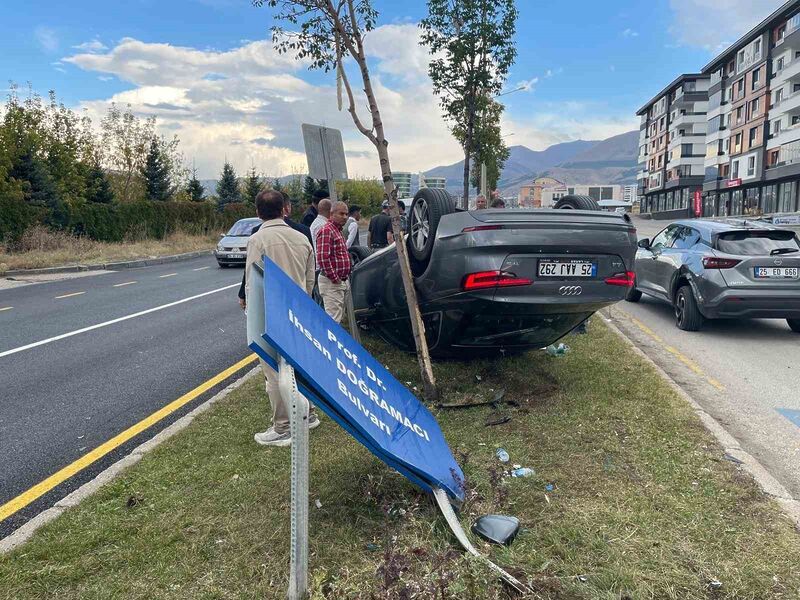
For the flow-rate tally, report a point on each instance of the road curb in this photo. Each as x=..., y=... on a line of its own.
x=730, y=445
x=24, y=533
x=125, y=264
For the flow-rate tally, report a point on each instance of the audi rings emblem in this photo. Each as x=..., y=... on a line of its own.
x=570, y=290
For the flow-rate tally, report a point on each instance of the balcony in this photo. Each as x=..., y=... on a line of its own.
x=788, y=104
x=689, y=118
x=687, y=138
x=787, y=73
x=791, y=39
x=785, y=136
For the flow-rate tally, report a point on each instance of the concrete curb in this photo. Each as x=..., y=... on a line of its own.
x=126, y=264
x=730, y=445
x=24, y=533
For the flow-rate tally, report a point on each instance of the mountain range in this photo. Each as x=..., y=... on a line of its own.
x=609, y=161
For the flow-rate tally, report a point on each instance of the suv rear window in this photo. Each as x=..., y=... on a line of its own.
x=757, y=243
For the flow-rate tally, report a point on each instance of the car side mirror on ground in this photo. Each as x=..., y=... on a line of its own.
x=645, y=243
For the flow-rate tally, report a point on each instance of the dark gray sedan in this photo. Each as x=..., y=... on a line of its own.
x=721, y=269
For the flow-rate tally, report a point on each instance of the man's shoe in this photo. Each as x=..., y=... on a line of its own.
x=271, y=438
x=313, y=422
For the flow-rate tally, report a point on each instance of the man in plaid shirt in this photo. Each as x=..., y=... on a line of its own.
x=333, y=262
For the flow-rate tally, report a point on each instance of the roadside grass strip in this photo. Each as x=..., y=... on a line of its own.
x=631, y=498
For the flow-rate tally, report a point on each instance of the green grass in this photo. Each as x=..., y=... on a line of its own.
x=643, y=505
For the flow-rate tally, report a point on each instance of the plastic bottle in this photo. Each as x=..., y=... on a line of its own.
x=557, y=351
x=523, y=472
x=502, y=455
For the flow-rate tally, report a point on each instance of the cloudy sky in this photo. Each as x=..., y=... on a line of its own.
x=207, y=70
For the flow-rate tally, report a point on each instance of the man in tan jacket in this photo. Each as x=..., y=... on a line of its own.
x=290, y=250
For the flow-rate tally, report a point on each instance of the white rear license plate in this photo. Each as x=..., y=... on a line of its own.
x=567, y=268
x=777, y=273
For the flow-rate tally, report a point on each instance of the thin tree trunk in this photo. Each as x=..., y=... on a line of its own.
x=468, y=150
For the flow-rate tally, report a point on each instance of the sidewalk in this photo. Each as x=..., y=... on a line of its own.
x=631, y=496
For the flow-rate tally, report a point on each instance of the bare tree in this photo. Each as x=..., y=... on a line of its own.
x=326, y=32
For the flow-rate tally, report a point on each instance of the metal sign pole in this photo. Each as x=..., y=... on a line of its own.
x=329, y=175
x=298, y=574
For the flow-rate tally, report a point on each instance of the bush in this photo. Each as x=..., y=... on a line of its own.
x=15, y=217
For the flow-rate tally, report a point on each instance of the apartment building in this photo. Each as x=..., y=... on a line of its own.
x=543, y=192
x=672, y=144
x=436, y=183
x=403, y=181
x=751, y=141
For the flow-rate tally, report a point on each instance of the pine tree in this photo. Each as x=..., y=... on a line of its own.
x=37, y=184
x=98, y=188
x=156, y=173
x=277, y=185
x=309, y=187
x=195, y=189
x=252, y=185
x=228, y=187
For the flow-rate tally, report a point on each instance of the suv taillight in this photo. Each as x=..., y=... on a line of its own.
x=713, y=262
x=625, y=279
x=492, y=279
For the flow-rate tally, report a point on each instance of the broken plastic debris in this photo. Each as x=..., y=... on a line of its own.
x=557, y=351
x=372, y=547
x=549, y=487
x=502, y=455
x=733, y=459
x=317, y=503
x=714, y=584
x=582, y=578
x=523, y=472
x=497, y=529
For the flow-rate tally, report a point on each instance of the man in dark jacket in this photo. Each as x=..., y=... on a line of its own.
x=287, y=210
x=312, y=212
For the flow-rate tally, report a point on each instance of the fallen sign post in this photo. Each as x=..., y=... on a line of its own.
x=291, y=333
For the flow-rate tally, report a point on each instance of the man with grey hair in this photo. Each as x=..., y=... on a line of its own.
x=323, y=214
x=333, y=262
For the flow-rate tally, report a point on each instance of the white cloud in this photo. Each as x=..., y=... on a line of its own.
x=714, y=24
x=47, y=38
x=630, y=33
x=93, y=46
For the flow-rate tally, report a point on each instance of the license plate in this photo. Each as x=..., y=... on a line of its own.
x=235, y=256
x=777, y=272
x=567, y=268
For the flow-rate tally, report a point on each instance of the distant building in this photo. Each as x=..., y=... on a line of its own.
x=544, y=192
x=629, y=194
x=436, y=183
x=402, y=180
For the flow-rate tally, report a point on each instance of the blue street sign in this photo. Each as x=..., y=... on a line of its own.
x=341, y=378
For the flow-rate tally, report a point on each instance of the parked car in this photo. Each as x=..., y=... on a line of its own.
x=721, y=269
x=491, y=281
x=232, y=248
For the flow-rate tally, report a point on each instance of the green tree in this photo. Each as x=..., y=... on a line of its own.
x=195, y=189
x=367, y=193
x=309, y=187
x=252, y=185
x=125, y=143
x=228, y=187
x=98, y=188
x=489, y=148
x=156, y=173
x=472, y=47
x=36, y=182
x=277, y=185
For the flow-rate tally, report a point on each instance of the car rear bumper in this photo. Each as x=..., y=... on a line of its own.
x=754, y=304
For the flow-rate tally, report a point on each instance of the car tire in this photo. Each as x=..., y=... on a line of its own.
x=357, y=254
x=573, y=202
x=794, y=325
x=687, y=314
x=633, y=294
x=427, y=209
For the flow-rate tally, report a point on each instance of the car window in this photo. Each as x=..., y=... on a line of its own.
x=242, y=228
x=665, y=238
x=758, y=243
x=685, y=238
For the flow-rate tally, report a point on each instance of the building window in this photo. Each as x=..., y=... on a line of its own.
x=739, y=114
x=756, y=79
x=753, y=136
x=778, y=96
x=772, y=158
x=737, y=143
x=607, y=193
x=735, y=170
x=779, y=64
x=776, y=127
x=720, y=148
x=757, y=49
x=740, y=88
x=751, y=166
x=686, y=149
x=724, y=171
x=754, y=107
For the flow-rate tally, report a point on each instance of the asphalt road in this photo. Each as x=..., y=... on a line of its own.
x=64, y=397
x=744, y=373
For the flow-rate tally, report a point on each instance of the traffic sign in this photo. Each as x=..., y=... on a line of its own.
x=325, y=153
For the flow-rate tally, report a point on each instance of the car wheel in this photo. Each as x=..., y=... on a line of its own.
x=427, y=209
x=794, y=325
x=358, y=253
x=687, y=315
x=633, y=294
x=573, y=202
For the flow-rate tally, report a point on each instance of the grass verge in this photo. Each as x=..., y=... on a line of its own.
x=631, y=499
x=42, y=247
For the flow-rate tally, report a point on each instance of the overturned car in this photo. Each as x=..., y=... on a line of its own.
x=493, y=281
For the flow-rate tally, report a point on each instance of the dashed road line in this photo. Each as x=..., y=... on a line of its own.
x=70, y=295
x=201, y=269
x=124, y=284
x=167, y=275
x=6, y=308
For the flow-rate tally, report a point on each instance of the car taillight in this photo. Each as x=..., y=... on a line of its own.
x=713, y=262
x=492, y=279
x=625, y=279
x=481, y=228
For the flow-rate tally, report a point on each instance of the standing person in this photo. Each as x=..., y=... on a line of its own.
x=311, y=211
x=380, y=228
x=324, y=213
x=334, y=262
x=480, y=202
x=287, y=211
x=290, y=250
x=351, y=227
x=498, y=203
x=403, y=217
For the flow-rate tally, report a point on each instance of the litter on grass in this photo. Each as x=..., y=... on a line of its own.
x=557, y=351
x=502, y=455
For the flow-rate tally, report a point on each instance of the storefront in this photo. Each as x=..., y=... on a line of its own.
x=752, y=201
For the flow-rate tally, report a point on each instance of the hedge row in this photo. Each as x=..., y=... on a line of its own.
x=123, y=222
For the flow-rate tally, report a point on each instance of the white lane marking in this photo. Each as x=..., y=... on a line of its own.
x=70, y=295
x=167, y=275
x=124, y=284
x=201, y=269
x=113, y=321
x=6, y=308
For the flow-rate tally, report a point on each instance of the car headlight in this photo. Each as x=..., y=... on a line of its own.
x=219, y=248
